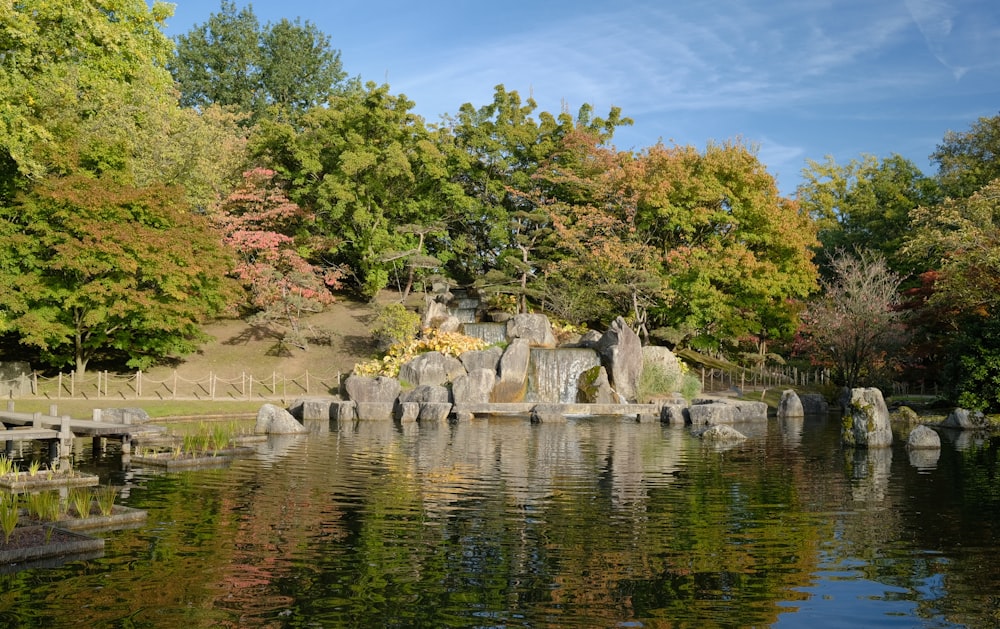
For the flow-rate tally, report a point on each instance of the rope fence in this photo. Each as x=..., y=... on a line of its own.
x=105, y=385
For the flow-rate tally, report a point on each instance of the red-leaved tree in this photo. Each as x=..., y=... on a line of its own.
x=257, y=221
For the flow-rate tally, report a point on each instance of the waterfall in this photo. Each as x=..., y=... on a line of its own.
x=492, y=333
x=553, y=373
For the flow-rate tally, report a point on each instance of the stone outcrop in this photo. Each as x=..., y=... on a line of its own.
x=474, y=387
x=814, y=404
x=547, y=414
x=512, y=384
x=274, y=420
x=534, y=328
x=922, y=438
x=866, y=422
x=965, y=420
x=426, y=393
x=371, y=390
x=790, y=405
x=721, y=433
x=432, y=368
x=593, y=387
x=621, y=353
x=126, y=415
x=482, y=359
x=675, y=414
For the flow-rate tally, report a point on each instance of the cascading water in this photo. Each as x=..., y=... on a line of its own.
x=492, y=333
x=553, y=374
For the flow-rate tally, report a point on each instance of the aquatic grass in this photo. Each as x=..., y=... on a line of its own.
x=34, y=467
x=222, y=435
x=9, y=514
x=6, y=465
x=105, y=496
x=43, y=505
x=80, y=500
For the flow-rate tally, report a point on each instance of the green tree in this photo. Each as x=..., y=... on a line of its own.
x=968, y=160
x=53, y=79
x=364, y=165
x=865, y=204
x=96, y=269
x=231, y=61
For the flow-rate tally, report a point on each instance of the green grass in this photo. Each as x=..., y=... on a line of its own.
x=83, y=409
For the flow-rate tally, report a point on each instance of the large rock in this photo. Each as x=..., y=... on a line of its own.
x=965, y=420
x=436, y=310
x=482, y=359
x=814, y=404
x=427, y=393
x=712, y=413
x=474, y=387
x=432, y=368
x=621, y=353
x=548, y=414
x=368, y=390
x=126, y=415
x=512, y=384
x=790, y=405
x=675, y=414
x=534, y=328
x=866, y=422
x=434, y=412
x=274, y=420
x=593, y=387
x=665, y=360
x=721, y=433
x=923, y=437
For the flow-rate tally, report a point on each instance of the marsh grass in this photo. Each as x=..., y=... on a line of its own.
x=105, y=496
x=44, y=505
x=6, y=465
x=34, y=467
x=80, y=500
x=9, y=514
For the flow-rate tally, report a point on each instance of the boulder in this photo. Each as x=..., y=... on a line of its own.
x=905, y=415
x=482, y=359
x=431, y=368
x=721, y=433
x=407, y=412
x=512, y=384
x=425, y=393
x=434, y=412
x=790, y=405
x=474, y=387
x=923, y=437
x=866, y=422
x=274, y=420
x=375, y=411
x=965, y=420
x=126, y=415
x=814, y=404
x=435, y=310
x=665, y=359
x=674, y=414
x=590, y=338
x=621, y=353
x=365, y=389
x=343, y=411
x=593, y=387
x=711, y=414
x=311, y=408
x=534, y=328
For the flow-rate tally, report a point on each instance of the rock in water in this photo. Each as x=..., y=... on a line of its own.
x=866, y=420
x=274, y=420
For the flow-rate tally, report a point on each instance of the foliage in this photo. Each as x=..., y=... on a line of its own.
x=971, y=373
x=856, y=324
x=656, y=380
x=967, y=160
x=394, y=324
x=97, y=269
x=737, y=257
x=865, y=204
x=448, y=343
x=10, y=513
x=43, y=505
x=365, y=165
x=80, y=500
x=230, y=60
x=105, y=496
x=256, y=221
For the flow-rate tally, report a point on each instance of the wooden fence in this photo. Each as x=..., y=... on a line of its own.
x=104, y=385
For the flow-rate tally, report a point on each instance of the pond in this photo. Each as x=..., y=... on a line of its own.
x=499, y=523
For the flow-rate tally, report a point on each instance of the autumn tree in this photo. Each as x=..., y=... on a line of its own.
x=855, y=324
x=737, y=257
x=92, y=269
x=259, y=223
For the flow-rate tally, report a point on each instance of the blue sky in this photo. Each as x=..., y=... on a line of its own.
x=800, y=79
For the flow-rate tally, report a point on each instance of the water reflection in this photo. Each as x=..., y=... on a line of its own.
x=591, y=523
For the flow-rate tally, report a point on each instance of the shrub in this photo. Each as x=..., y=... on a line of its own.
x=448, y=343
x=393, y=324
x=656, y=381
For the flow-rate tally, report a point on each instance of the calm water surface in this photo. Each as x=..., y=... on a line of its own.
x=499, y=523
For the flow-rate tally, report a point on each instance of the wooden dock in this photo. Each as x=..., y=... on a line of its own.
x=59, y=431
